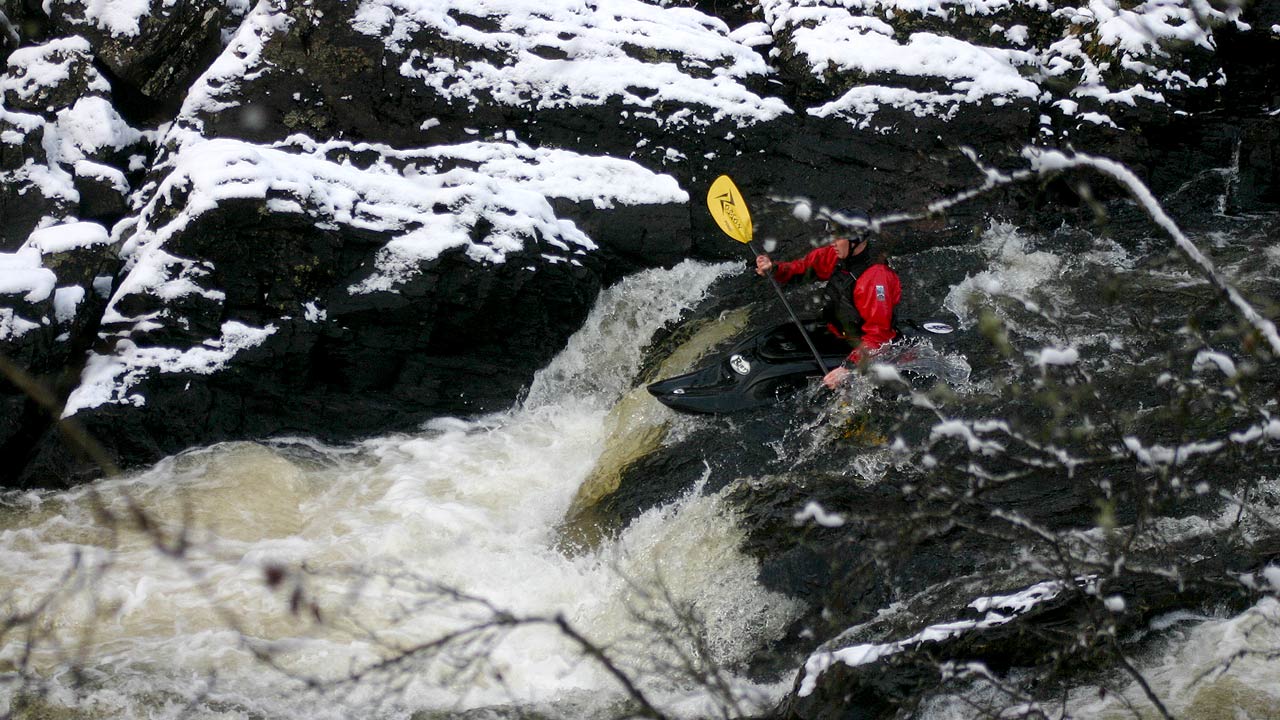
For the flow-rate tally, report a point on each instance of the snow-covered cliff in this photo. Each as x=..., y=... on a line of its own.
x=337, y=218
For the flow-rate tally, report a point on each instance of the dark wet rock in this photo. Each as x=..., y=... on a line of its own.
x=62, y=156
x=35, y=187
x=65, y=151
x=152, y=56
x=68, y=62
x=9, y=37
x=1063, y=629
x=399, y=93
x=879, y=552
x=47, y=326
x=458, y=338
x=633, y=237
x=102, y=196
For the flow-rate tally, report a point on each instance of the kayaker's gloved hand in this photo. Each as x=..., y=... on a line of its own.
x=764, y=265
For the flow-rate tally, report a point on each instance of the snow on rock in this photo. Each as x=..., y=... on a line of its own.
x=65, y=238
x=604, y=181
x=91, y=128
x=930, y=58
x=56, y=117
x=484, y=200
x=21, y=273
x=34, y=295
x=13, y=326
x=217, y=88
x=568, y=53
x=152, y=46
x=66, y=301
x=111, y=378
x=421, y=212
x=60, y=68
x=117, y=17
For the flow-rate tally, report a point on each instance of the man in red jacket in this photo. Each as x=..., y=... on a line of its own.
x=863, y=292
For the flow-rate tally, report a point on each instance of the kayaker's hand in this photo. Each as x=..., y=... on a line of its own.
x=835, y=377
x=764, y=265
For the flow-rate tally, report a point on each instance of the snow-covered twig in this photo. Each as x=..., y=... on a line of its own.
x=1046, y=162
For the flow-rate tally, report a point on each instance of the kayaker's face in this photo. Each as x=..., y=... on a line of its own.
x=842, y=246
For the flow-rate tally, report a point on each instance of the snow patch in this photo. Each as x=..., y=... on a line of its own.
x=312, y=312
x=120, y=18
x=424, y=213
x=218, y=87
x=428, y=201
x=872, y=39
x=13, y=325
x=66, y=301
x=33, y=69
x=65, y=238
x=566, y=53
x=111, y=378
x=21, y=273
x=91, y=126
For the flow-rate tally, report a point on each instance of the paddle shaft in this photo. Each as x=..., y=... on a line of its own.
x=799, y=325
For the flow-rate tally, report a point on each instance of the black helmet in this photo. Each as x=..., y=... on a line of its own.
x=844, y=220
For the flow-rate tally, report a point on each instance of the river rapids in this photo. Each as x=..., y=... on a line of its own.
x=290, y=579
x=329, y=560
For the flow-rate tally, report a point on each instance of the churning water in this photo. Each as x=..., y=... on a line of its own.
x=293, y=579
x=258, y=580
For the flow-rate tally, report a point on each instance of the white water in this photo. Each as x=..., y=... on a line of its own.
x=1222, y=668
x=366, y=533
x=1205, y=669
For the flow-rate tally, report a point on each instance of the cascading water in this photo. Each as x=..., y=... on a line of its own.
x=300, y=562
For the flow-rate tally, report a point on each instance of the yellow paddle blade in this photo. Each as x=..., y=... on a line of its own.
x=729, y=209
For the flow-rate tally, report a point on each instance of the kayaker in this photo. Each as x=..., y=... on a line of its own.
x=862, y=290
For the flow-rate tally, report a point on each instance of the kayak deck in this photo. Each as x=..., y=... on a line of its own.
x=754, y=372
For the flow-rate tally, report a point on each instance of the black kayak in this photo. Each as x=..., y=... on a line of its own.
x=763, y=368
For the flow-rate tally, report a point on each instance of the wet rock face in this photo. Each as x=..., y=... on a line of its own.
x=398, y=209
x=152, y=54
x=64, y=163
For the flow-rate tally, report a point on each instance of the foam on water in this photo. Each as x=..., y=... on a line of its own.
x=367, y=534
x=1015, y=271
x=1221, y=668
